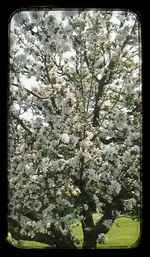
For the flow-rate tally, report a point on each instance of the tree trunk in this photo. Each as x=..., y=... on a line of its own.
x=108, y=215
x=89, y=235
x=91, y=231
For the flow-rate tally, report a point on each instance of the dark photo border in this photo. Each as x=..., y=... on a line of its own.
x=7, y=248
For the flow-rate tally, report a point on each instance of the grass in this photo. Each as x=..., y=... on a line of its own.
x=124, y=233
x=26, y=244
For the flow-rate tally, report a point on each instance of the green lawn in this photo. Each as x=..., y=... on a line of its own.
x=26, y=244
x=124, y=233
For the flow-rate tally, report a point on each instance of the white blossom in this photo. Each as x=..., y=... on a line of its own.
x=89, y=135
x=129, y=204
x=86, y=207
x=31, y=234
x=102, y=238
x=74, y=139
x=127, y=157
x=99, y=207
x=73, y=161
x=65, y=138
x=115, y=187
x=107, y=223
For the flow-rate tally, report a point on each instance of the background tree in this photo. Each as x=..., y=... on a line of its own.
x=74, y=136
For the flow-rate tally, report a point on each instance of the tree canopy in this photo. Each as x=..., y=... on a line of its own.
x=74, y=123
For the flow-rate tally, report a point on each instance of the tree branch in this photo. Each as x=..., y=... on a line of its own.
x=30, y=92
x=21, y=123
x=101, y=84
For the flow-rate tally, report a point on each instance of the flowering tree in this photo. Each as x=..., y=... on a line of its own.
x=74, y=136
